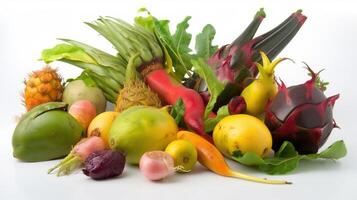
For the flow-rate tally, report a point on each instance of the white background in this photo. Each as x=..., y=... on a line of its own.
x=327, y=40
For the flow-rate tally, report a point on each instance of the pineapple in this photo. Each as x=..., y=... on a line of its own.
x=42, y=86
x=135, y=92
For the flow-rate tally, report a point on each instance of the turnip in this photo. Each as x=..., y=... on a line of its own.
x=156, y=165
x=78, y=155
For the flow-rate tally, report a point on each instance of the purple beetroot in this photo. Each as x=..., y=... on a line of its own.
x=104, y=164
x=301, y=114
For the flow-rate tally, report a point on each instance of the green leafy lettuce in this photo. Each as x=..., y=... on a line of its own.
x=175, y=45
x=215, y=87
x=204, y=47
x=287, y=158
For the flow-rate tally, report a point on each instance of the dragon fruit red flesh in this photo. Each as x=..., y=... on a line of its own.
x=302, y=115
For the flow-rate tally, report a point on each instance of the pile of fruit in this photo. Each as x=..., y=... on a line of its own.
x=175, y=106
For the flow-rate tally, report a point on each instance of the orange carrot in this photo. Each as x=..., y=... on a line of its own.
x=210, y=157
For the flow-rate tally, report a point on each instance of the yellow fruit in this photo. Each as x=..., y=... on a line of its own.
x=140, y=129
x=184, y=154
x=242, y=133
x=101, y=124
x=261, y=90
x=42, y=86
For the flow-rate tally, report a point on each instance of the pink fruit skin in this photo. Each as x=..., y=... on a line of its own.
x=83, y=111
x=156, y=165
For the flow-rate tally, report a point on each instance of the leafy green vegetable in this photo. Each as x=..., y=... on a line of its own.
x=100, y=57
x=177, y=45
x=215, y=87
x=204, y=48
x=210, y=123
x=146, y=21
x=287, y=158
x=178, y=111
x=66, y=51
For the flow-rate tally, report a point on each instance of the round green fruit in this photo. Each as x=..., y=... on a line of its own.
x=140, y=129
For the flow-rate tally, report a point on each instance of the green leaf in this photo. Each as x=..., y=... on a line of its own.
x=215, y=87
x=249, y=159
x=210, y=123
x=336, y=151
x=287, y=158
x=65, y=51
x=178, y=111
x=100, y=57
x=177, y=45
x=88, y=81
x=204, y=48
x=146, y=21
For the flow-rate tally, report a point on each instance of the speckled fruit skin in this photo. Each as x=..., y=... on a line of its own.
x=301, y=114
x=140, y=129
x=242, y=132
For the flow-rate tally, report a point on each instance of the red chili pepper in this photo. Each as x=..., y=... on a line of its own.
x=170, y=91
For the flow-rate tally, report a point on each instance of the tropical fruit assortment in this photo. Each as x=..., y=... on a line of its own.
x=175, y=106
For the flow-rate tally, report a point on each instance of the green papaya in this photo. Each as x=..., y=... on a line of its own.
x=45, y=132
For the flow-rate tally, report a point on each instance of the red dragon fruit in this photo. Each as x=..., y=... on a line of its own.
x=302, y=115
x=235, y=63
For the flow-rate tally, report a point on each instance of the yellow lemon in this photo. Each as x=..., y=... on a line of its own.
x=184, y=154
x=101, y=124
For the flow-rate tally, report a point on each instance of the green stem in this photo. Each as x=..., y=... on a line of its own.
x=69, y=166
x=99, y=26
x=109, y=93
x=131, y=73
x=109, y=98
x=101, y=71
x=67, y=158
x=108, y=82
x=101, y=57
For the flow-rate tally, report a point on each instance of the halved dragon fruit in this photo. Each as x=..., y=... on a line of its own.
x=302, y=115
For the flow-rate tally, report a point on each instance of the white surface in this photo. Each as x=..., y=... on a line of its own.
x=327, y=40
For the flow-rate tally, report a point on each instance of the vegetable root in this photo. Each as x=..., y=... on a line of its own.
x=78, y=155
x=210, y=157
